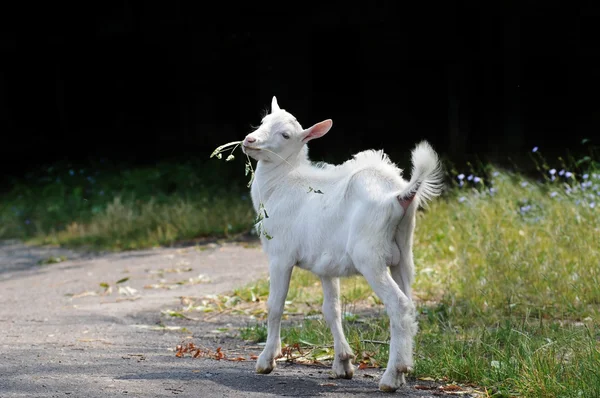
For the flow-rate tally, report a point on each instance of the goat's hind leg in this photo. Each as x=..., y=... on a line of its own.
x=403, y=271
x=332, y=310
x=401, y=312
x=279, y=283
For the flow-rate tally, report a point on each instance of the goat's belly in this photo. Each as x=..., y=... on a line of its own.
x=328, y=264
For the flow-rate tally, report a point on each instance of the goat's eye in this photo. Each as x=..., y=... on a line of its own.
x=285, y=135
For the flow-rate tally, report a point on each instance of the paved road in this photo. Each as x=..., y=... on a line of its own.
x=62, y=334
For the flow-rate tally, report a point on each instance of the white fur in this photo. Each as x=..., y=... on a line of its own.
x=361, y=222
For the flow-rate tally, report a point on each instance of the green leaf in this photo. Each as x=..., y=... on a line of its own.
x=122, y=280
x=583, y=160
x=104, y=285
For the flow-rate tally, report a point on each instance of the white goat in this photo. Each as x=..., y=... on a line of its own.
x=336, y=221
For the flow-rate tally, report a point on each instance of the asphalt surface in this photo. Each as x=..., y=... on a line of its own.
x=69, y=329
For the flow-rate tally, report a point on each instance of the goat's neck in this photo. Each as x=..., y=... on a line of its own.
x=271, y=175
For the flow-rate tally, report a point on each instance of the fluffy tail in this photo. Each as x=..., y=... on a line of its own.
x=426, y=179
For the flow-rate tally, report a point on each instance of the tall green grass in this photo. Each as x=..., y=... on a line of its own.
x=113, y=207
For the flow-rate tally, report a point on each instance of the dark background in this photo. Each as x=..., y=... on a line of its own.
x=140, y=82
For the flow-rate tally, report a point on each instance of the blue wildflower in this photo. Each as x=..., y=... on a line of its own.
x=525, y=209
x=552, y=171
x=585, y=176
x=493, y=190
x=534, y=149
x=476, y=180
x=460, y=176
x=552, y=178
x=524, y=184
x=462, y=199
x=553, y=194
x=470, y=177
x=561, y=172
x=592, y=205
x=568, y=174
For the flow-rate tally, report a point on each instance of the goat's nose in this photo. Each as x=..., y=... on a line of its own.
x=250, y=139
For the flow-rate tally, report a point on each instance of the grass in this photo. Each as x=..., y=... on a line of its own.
x=111, y=207
x=508, y=266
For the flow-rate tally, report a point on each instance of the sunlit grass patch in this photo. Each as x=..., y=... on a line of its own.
x=116, y=209
x=131, y=225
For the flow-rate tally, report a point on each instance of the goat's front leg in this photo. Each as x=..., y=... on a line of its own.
x=279, y=282
x=332, y=310
x=401, y=312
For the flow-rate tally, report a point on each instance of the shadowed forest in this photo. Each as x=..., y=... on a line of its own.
x=138, y=83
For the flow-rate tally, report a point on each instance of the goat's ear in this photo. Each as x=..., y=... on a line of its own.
x=274, y=105
x=318, y=130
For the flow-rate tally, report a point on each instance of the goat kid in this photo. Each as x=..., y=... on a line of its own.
x=338, y=220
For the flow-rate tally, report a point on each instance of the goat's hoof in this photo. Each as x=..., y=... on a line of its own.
x=264, y=366
x=386, y=388
x=347, y=374
x=390, y=382
x=343, y=369
x=263, y=371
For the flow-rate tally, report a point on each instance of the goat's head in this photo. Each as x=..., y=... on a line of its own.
x=280, y=137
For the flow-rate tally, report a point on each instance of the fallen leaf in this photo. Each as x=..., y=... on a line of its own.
x=450, y=387
x=133, y=298
x=177, y=314
x=84, y=294
x=123, y=280
x=94, y=340
x=421, y=387
x=157, y=327
x=127, y=291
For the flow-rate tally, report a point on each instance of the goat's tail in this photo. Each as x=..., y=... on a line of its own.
x=426, y=178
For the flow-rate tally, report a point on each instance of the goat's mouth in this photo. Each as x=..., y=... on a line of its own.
x=250, y=148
